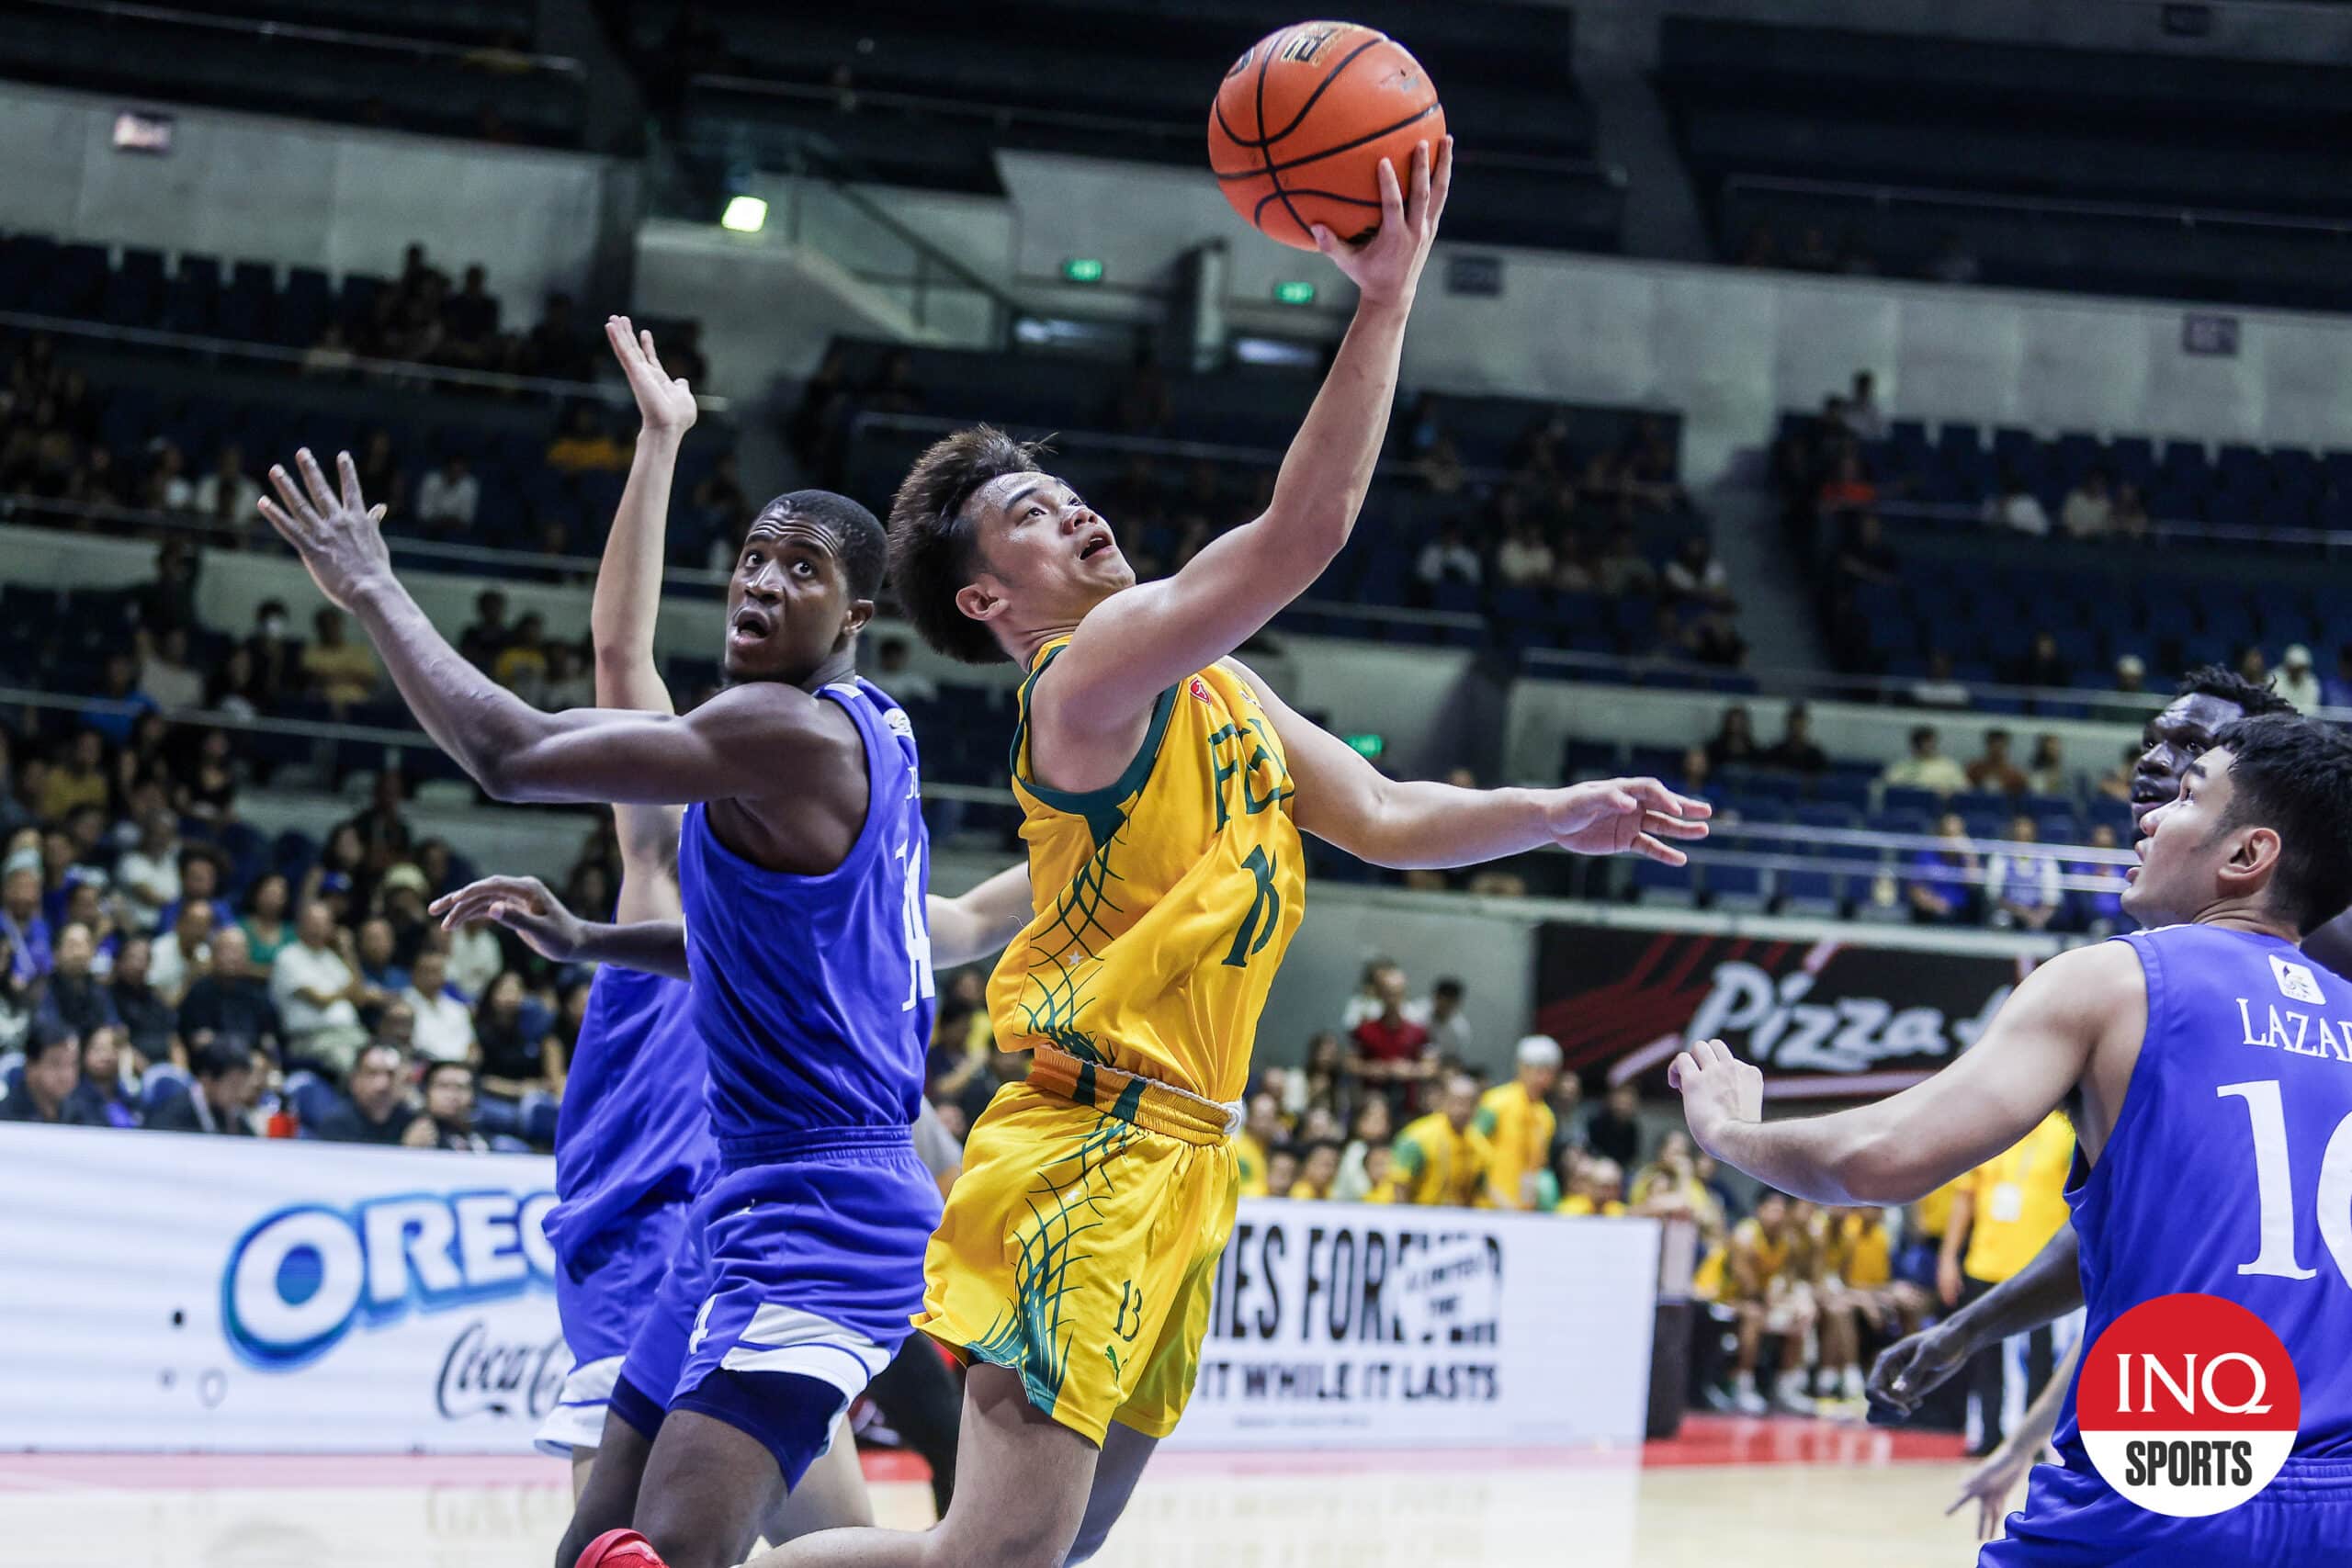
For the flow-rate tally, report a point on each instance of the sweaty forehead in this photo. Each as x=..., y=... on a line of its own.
x=2197, y=717
x=994, y=497
x=785, y=526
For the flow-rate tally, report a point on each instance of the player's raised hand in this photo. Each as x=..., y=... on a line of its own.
x=664, y=403
x=336, y=533
x=1719, y=1091
x=1387, y=267
x=1990, y=1485
x=1610, y=816
x=523, y=905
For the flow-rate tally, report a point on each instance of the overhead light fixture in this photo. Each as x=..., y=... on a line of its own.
x=744, y=215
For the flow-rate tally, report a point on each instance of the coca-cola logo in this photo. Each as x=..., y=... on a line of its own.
x=483, y=1376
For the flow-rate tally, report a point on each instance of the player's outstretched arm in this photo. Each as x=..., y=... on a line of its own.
x=975, y=924
x=1991, y=1483
x=524, y=906
x=2037, y=1047
x=1156, y=634
x=752, y=741
x=2043, y=1292
x=1344, y=800
x=628, y=602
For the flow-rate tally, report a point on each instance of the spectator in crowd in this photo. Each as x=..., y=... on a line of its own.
x=448, y=1121
x=475, y=958
x=1393, y=1054
x=150, y=1022
x=183, y=951
x=2003, y=1212
x=1669, y=1186
x=1623, y=569
x=1282, y=1171
x=221, y=1100
x=1735, y=739
x=2046, y=774
x=2116, y=783
x=1865, y=416
x=228, y=495
x=2099, y=911
x=2044, y=666
x=167, y=488
x=1695, y=577
x=79, y=781
x=2251, y=667
x=376, y=1110
x=107, y=1096
x=1940, y=687
x=447, y=500
x=395, y=1027
x=2089, y=510
x=2127, y=519
x=342, y=671
x=1796, y=751
x=1713, y=640
x=1444, y=1016
x=519, y=1053
x=1597, y=1189
x=1995, y=773
x=266, y=929
x=1761, y=1279
x=1318, y=1169
x=1433, y=1157
x=147, y=877
x=1523, y=559
x=1512, y=1130
x=445, y=1026
x=556, y=349
x=1373, y=1129
x=166, y=677
x=2021, y=890
x=1942, y=886
x=1262, y=1132
x=2016, y=507
x=1865, y=559
x=200, y=884
x=568, y=684
x=522, y=665
x=895, y=674
x=2297, y=682
x=1926, y=767
x=319, y=993
x=1848, y=488
x=382, y=830
x=1448, y=559
x=52, y=1071
x=231, y=1000
x=73, y=999
x=584, y=445
x=376, y=961
x=275, y=660
x=1614, y=1129
x=894, y=389
x=486, y=638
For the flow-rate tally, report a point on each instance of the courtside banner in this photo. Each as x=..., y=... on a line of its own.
x=164, y=1291
x=1343, y=1325
x=1819, y=1018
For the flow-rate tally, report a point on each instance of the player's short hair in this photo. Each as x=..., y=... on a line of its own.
x=933, y=541
x=2293, y=775
x=864, y=550
x=2214, y=681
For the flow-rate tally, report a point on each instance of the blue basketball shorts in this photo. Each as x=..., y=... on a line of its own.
x=794, y=1285
x=603, y=1294
x=2073, y=1519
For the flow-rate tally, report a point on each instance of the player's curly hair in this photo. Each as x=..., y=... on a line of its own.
x=2294, y=775
x=860, y=533
x=932, y=542
x=2214, y=681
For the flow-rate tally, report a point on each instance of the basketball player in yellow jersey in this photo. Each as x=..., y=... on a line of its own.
x=1514, y=1127
x=1163, y=789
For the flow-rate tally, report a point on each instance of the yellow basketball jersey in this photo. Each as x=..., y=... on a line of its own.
x=1164, y=901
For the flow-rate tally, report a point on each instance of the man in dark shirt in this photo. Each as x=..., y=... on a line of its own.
x=75, y=1002
x=378, y=1110
x=450, y=1107
x=231, y=1000
x=217, y=1103
x=1795, y=753
x=1613, y=1131
x=52, y=1067
x=148, y=1021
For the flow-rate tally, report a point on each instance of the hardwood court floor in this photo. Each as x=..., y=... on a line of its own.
x=1728, y=1494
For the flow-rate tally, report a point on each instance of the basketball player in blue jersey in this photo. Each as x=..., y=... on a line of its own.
x=802, y=867
x=2195, y=1118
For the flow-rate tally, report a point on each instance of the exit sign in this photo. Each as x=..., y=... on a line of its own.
x=1293, y=291
x=1366, y=745
x=1082, y=269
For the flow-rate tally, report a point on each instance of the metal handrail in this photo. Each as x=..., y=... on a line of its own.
x=617, y=395
x=1884, y=195
x=311, y=33
x=2170, y=528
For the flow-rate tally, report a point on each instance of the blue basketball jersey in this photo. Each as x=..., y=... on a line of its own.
x=2229, y=1170
x=632, y=1130
x=813, y=994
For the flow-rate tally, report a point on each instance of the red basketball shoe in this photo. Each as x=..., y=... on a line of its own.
x=620, y=1548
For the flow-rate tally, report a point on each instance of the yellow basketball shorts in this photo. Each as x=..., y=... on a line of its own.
x=1079, y=1249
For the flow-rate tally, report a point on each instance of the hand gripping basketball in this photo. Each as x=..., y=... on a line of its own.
x=1387, y=267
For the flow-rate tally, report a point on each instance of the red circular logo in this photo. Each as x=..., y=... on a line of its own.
x=2188, y=1404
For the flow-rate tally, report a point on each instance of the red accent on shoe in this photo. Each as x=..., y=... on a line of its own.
x=620, y=1548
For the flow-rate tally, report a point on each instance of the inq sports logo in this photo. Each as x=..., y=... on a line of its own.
x=302, y=1277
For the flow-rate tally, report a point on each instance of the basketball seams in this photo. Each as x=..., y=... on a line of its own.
x=1264, y=140
x=1370, y=136
x=1266, y=150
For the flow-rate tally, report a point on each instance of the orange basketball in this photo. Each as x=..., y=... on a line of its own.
x=1303, y=120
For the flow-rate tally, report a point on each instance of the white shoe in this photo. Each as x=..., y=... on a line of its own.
x=1748, y=1402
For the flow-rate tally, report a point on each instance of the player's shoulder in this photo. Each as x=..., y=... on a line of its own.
x=2090, y=979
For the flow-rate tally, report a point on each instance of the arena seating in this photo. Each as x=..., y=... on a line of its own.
x=2126, y=145
x=913, y=95
x=207, y=57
